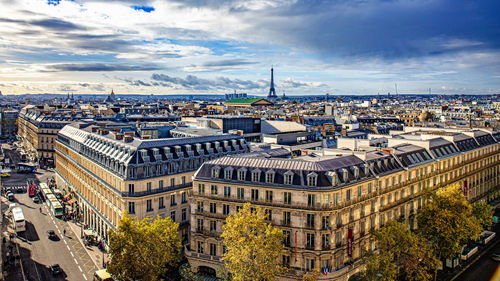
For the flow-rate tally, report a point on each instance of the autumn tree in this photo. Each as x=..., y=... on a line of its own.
x=484, y=213
x=253, y=247
x=143, y=249
x=447, y=222
x=402, y=255
x=313, y=275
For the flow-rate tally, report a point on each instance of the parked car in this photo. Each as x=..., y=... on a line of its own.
x=495, y=257
x=20, y=189
x=36, y=199
x=55, y=269
x=5, y=175
x=10, y=196
x=51, y=234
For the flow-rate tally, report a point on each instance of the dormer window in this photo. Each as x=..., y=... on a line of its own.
x=355, y=171
x=228, y=173
x=215, y=172
x=366, y=169
x=256, y=175
x=289, y=177
x=312, y=179
x=335, y=178
x=242, y=174
x=345, y=175
x=270, y=176
x=386, y=161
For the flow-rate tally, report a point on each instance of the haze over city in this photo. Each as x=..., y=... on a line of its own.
x=216, y=47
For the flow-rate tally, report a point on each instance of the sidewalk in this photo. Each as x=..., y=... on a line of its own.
x=95, y=254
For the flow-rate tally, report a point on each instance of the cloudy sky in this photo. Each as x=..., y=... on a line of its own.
x=215, y=47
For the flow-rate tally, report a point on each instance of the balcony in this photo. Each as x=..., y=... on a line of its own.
x=309, y=247
x=155, y=191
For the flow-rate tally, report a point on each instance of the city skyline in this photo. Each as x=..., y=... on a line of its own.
x=198, y=47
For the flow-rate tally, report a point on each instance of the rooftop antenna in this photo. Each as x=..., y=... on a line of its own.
x=396, y=86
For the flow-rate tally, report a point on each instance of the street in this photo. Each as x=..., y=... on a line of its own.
x=483, y=269
x=37, y=251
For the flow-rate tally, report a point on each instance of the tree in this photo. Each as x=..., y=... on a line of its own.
x=483, y=213
x=253, y=247
x=402, y=255
x=447, y=222
x=143, y=249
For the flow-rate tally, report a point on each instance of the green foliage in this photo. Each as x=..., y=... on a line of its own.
x=143, y=250
x=483, y=213
x=401, y=255
x=253, y=247
x=447, y=222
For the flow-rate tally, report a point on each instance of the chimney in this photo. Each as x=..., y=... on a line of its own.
x=128, y=138
x=146, y=137
x=118, y=136
x=94, y=129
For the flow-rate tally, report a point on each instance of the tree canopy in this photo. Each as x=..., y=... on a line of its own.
x=447, y=221
x=253, y=247
x=483, y=213
x=402, y=255
x=143, y=249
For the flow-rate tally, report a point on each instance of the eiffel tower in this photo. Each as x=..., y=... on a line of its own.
x=272, y=91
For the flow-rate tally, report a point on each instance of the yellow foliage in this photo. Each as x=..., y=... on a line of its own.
x=253, y=247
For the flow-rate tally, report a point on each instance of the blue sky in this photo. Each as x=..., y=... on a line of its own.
x=215, y=47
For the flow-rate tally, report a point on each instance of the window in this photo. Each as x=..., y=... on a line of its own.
x=309, y=264
x=183, y=197
x=184, y=214
x=269, y=195
x=286, y=218
x=213, y=249
x=270, y=177
x=213, y=190
x=160, y=203
x=310, y=241
x=240, y=193
x=213, y=226
x=338, y=239
x=201, y=188
x=200, y=247
x=213, y=208
x=311, y=200
x=256, y=175
x=325, y=241
x=348, y=195
x=310, y=220
x=269, y=214
x=148, y=186
x=255, y=194
x=369, y=188
x=149, y=206
x=200, y=225
x=172, y=182
x=131, y=188
x=172, y=216
x=287, y=238
x=286, y=261
x=325, y=222
x=183, y=180
x=227, y=191
x=131, y=207
x=160, y=184
x=242, y=174
x=225, y=209
x=312, y=179
x=287, y=198
x=200, y=206
x=172, y=200
x=289, y=177
x=238, y=208
x=228, y=173
x=360, y=190
x=215, y=172
x=339, y=220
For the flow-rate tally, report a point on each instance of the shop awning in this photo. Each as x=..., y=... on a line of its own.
x=72, y=200
x=67, y=195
